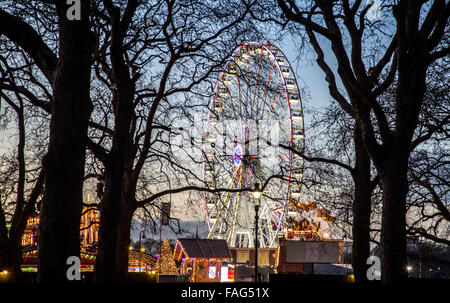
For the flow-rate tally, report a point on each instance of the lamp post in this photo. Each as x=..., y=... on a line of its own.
x=409, y=269
x=256, y=194
x=141, y=236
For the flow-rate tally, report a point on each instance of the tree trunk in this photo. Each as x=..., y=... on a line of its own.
x=114, y=236
x=113, y=205
x=109, y=216
x=59, y=228
x=393, y=229
x=361, y=209
x=123, y=244
x=10, y=255
x=118, y=162
x=11, y=248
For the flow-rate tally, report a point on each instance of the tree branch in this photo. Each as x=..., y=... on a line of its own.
x=318, y=159
x=30, y=41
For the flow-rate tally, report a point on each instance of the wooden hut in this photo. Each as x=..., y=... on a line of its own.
x=202, y=259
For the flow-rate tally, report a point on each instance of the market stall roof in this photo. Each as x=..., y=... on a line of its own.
x=203, y=248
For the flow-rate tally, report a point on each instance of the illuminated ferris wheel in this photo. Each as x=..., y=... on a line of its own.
x=256, y=108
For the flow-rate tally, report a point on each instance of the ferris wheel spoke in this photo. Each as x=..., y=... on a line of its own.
x=255, y=98
x=264, y=96
x=239, y=89
x=248, y=68
x=275, y=101
x=224, y=203
x=259, y=66
x=233, y=225
x=268, y=80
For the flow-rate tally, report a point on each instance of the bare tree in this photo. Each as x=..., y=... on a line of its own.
x=21, y=183
x=148, y=56
x=426, y=205
x=129, y=132
x=339, y=175
x=416, y=40
x=428, y=171
x=69, y=76
x=22, y=177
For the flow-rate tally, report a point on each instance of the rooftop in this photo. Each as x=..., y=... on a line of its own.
x=204, y=248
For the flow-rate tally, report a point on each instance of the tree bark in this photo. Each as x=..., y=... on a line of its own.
x=123, y=243
x=59, y=228
x=114, y=233
x=109, y=215
x=393, y=233
x=115, y=182
x=118, y=163
x=361, y=208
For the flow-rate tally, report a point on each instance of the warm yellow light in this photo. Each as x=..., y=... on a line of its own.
x=130, y=248
x=351, y=278
x=256, y=192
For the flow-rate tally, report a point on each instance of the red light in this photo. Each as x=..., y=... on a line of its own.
x=230, y=274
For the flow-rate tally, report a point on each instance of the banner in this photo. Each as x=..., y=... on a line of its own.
x=165, y=213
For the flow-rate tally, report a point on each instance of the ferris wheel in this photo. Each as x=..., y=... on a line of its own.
x=256, y=108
